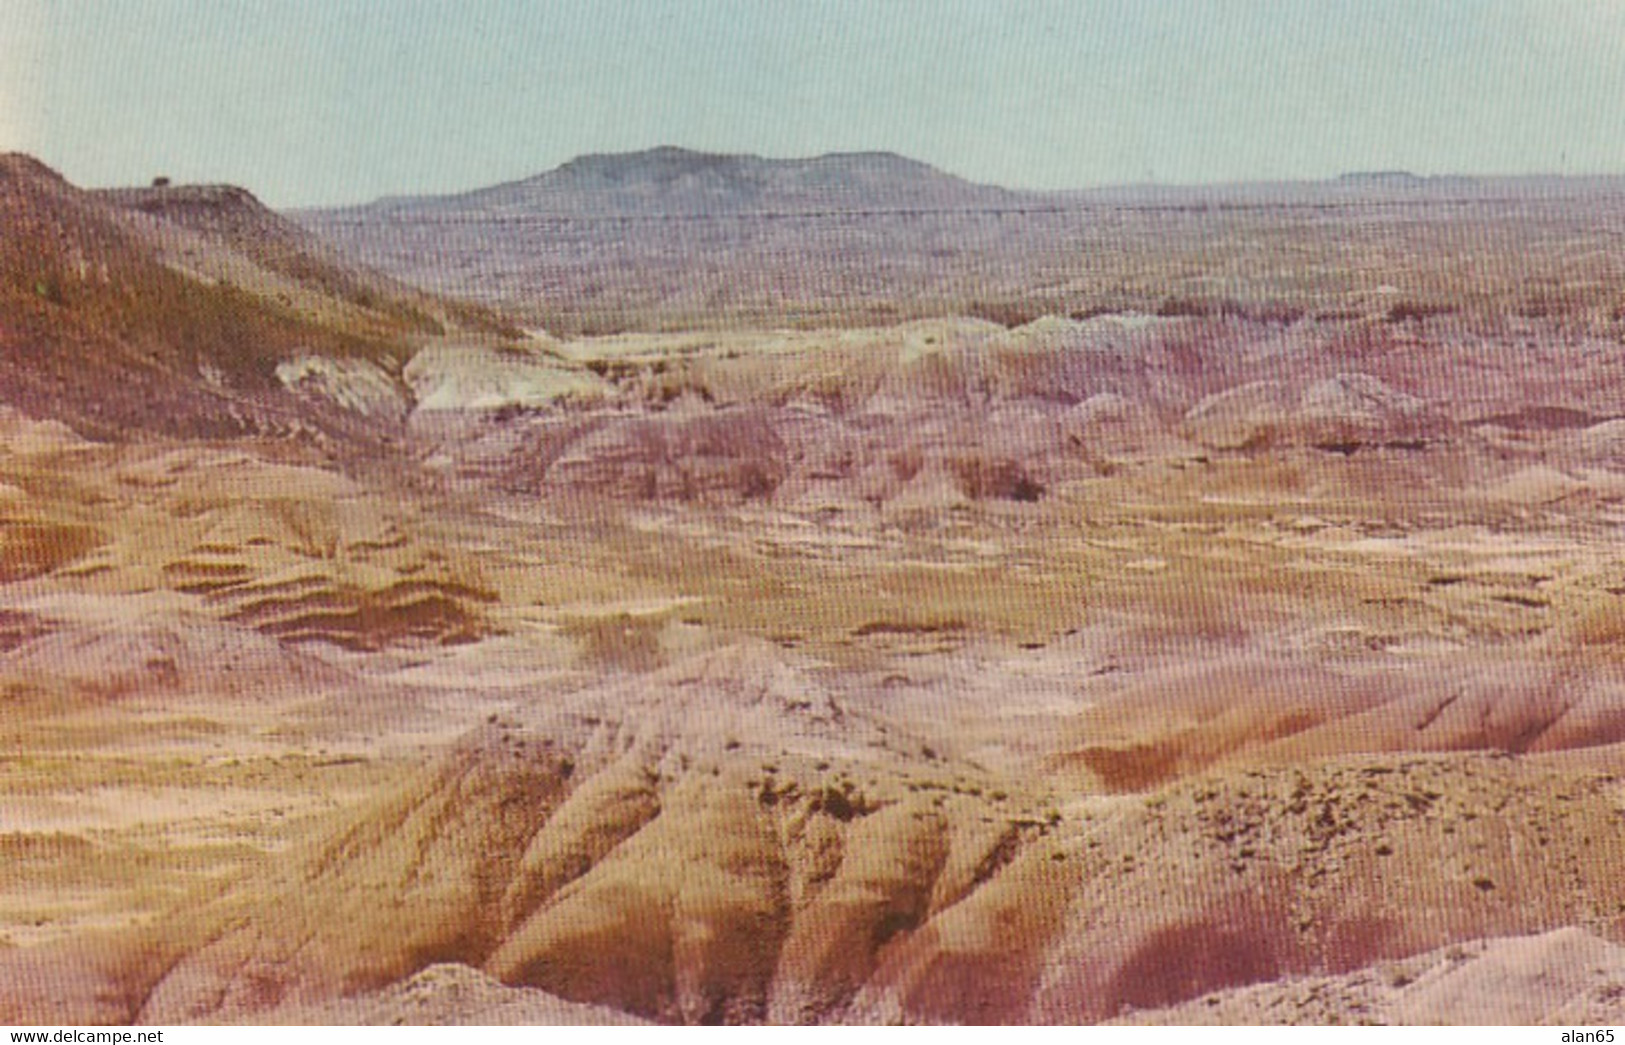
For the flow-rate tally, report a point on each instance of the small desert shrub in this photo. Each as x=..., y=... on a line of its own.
x=983, y=478
x=50, y=288
x=662, y=386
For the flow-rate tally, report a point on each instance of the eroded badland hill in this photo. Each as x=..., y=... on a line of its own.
x=364, y=658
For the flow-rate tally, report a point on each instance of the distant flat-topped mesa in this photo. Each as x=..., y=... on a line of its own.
x=671, y=180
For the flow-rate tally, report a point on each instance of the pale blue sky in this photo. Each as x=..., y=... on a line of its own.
x=327, y=101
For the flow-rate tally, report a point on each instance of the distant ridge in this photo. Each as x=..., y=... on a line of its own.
x=671, y=181
x=1405, y=182
x=1382, y=177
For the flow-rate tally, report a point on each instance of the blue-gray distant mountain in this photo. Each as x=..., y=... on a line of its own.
x=674, y=181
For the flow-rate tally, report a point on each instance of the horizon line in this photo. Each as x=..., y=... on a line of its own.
x=1148, y=183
